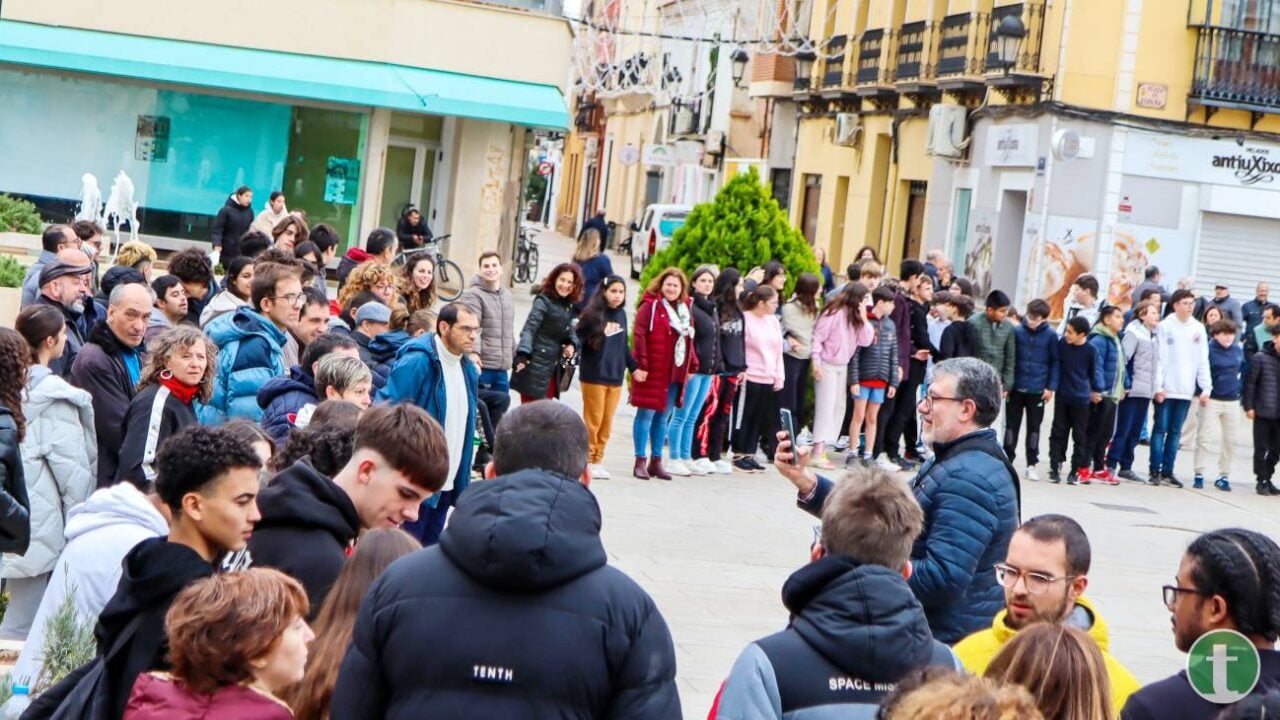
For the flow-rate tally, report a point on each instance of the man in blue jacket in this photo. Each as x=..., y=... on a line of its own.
x=434, y=371
x=1035, y=375
x=969, y=493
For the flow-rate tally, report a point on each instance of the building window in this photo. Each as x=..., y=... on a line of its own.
x=1260, y=15
x=780, y=184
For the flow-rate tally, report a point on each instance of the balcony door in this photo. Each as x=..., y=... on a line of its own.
x=407, y=179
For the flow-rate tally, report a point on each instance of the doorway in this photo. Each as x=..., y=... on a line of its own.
x=1005, y=254
x=915, y=219
x=407, y=179
x=809, y=210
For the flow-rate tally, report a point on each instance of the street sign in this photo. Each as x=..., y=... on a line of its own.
x=544, y=168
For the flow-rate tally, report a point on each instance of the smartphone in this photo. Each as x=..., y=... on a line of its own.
x=789, y=427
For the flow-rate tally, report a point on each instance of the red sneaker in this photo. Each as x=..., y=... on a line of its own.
x=1104, y=476
x=1083, y=475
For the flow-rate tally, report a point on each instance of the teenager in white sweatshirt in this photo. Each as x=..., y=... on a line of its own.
x=1181, y=363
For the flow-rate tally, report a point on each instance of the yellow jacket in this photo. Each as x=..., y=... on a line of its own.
x=977, y=650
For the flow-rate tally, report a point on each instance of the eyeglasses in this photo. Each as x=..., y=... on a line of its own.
x=291, y=298
x=926, y=404
x=1036, y=583
x=468, y=329
x=817, y=537
x=383, y=286
x=1171, y=593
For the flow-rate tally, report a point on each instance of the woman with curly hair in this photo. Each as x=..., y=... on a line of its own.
x=373, y=277
x=548, y=335
x=333, y=626
x=15, y=523
x=418, y=282
x=179, y=370
x=290, y=232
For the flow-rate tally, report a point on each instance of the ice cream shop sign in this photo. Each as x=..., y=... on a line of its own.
x=1203, y=160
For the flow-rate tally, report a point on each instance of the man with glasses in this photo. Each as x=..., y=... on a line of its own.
x=969, y=493
x=251, y=340
x=1227, y=580
x=1044, y=578
x=435, y=372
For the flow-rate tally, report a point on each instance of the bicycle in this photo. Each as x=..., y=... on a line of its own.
x=448, y=275
x=526, y=264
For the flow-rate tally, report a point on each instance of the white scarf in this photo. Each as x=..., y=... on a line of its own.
x=678, y=317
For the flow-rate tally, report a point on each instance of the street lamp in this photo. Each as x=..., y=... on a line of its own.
x=739, y=58
x=804, y=68
x=1009, y=35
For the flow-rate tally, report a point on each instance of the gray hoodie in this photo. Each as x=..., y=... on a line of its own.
x=497, y=317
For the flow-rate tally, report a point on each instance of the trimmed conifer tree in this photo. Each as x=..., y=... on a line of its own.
x=743, y=227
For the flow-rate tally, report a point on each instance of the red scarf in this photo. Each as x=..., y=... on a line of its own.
x=184, y=392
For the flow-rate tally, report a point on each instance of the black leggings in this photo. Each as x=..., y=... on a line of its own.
x=756, y=422
x=794, y=388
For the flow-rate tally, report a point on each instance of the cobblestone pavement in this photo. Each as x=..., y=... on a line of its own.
x=714, y=551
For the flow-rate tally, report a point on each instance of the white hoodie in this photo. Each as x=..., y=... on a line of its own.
x=100, y=532
x=1182, y=358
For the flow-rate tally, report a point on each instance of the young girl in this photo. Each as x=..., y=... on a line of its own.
x=757, y=417
x=706, y=345
x=841, y=329
x=713, y=434
x=602, y=329
x=873, y=376
x=799, y=317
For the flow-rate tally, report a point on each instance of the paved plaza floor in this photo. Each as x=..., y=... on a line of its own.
x=714, y=551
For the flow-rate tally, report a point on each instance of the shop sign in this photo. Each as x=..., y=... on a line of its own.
x=629, y=155
x=1203, y=160
x=1012, y=145
x=1153, y=96
x=151, y=141
x=659, y=155
x=341, y=180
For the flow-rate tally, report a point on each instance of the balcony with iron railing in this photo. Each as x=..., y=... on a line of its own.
x=1028, y=61
x=915, y=68
x=1237, y=69
x=833, y=62
x=967, y=50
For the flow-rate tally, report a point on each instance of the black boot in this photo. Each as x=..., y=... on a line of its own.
x=1265, y=488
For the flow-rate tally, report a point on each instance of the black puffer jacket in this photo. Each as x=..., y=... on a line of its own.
x=879, y=360
x=232, y=221
x=153, y=416
x=548, y=329
x=15, y=507
x=1262, y=384
x=307, y=524
x=706, y=335
x=100, y=370
x=515, y=614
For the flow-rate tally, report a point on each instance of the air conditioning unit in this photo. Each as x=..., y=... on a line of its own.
x=592, y=147
x=948, y=131
x=848, y=131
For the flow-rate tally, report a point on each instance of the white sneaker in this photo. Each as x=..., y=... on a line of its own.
x=805, y=439
x=598, y=472
x=842, y=443
x=677, y=467
x=705, y=465
x=723, y=467
x=694, y=467
x=886, y=464
x=1032, y=475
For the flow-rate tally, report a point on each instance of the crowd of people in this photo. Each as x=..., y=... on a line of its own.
x=235, y=478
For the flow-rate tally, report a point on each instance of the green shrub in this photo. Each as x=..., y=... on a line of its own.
x=19, y=216
x=11, y=272
x=742, y=227
x=68, y=643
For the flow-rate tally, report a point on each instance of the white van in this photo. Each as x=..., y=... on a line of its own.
x=654, y=232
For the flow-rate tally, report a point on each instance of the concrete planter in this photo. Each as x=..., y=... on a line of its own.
x=10, y=304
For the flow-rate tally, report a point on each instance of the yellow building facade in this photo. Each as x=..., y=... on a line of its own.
x=1111, y=136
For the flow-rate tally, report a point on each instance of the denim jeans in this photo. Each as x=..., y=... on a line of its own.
x=650, y=426
x=1131, y=418
x=685, y=418
x=494, y=379
x=1167, y=433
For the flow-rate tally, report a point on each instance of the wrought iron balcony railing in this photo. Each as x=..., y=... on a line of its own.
x=1237, y=69
x=833, y=63
x=870, y=53
x=915, y=52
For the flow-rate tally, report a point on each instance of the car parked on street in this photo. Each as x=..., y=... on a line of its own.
x=653, y=232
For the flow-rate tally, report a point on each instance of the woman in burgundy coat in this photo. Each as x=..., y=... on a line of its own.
x=662, y=344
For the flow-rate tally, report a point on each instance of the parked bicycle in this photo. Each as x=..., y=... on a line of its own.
x=449, y=279
x=526, y=264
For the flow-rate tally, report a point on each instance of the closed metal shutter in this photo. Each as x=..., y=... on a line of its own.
x=1237, y=251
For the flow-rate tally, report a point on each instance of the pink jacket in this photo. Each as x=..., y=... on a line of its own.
x=763, y=336
x=835, y=340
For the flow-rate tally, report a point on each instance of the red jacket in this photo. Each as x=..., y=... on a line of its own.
x=653, y=343
x=157, y=696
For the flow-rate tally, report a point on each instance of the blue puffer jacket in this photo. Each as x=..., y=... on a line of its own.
x=417, y=377
x=970, y=498
x=382, y=354
x=250, y=352
x=281, y=399
x=1111, y=359
x=1036, y=365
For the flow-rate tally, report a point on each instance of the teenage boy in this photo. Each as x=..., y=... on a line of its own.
x=1105, y=339
x=170, y=307
x=1262, y=405
x=208, y=480
x=1035, y=375
x=310, y=523
x=900, y=418
x=995, y=337
x=959, y=339
x=1082, y=302
x=1226, y=363
x=874, y=375
x=1079, y=382
x=1182, y=364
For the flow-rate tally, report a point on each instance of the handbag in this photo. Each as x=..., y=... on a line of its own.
x=90, y=699
x=565, y=370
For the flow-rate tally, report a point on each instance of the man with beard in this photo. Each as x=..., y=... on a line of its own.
x=1228, y=580
x=1044, y=577
x=64, y=284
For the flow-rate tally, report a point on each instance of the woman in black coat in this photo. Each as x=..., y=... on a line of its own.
x=548, y=335
x=179, y=371
x=233, y=220
x=15, y=519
